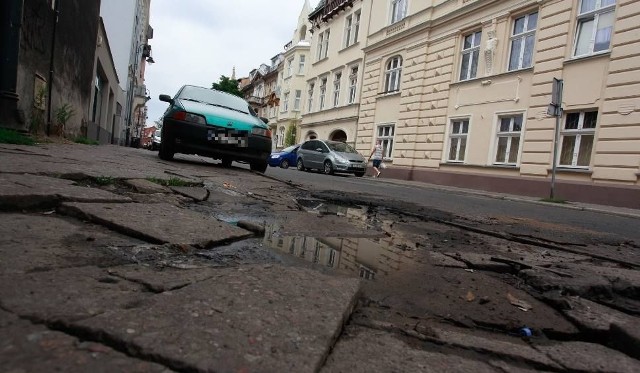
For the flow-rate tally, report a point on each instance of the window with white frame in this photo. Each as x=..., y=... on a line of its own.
x=393, y=72
x=320, y=46
x=398, y=10
x=577, y=139
x=336, y=89
x=523, y=39
x=323, y=44
x=312, y=87
x=508, y=139
x=470, y=55
x=458, y=140
x=285, y=103
x=301, y=64
x=385, y=135
x=595, y=26
x=352, y=25
x=323, y=92
x=289, y=67
x=332, y=258
x=296, y=101
x=353, y=84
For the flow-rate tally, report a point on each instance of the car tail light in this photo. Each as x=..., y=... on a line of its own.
x=261, y=132
x=188, y=117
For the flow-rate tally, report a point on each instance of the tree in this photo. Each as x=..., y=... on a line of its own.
x=290, y=136
x=228, y=85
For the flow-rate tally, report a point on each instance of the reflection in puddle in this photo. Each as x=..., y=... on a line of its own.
x=365, y=257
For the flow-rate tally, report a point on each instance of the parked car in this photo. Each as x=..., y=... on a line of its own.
x=285, y=157
x=329, y=157
x=216, y=124
x=156, y=140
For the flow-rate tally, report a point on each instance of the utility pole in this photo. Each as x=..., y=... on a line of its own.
x=53, y=47
x=555, y=109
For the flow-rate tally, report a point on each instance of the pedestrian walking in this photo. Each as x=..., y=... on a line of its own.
x=376, y=156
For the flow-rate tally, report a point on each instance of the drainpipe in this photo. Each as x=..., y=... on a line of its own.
x=53, y=47
x=10, y=26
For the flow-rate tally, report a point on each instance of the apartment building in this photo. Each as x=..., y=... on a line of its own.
x=291, y=79
x=458, y=92
x=332, y=94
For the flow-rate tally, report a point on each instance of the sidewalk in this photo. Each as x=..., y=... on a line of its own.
x=611, y=210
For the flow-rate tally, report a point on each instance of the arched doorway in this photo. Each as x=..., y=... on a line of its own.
x=338, y=135
x=311, y=136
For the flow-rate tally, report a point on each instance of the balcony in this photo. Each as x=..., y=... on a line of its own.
x=254, y=100
x=331, y=8
x=140, y=91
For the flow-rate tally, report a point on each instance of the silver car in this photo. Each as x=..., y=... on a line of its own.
x=329, y=157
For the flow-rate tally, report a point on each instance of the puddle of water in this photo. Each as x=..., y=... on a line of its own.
x=368, y=258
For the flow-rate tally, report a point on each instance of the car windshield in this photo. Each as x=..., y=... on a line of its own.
x=213, y=97
x=341, y=147
x=289, y=149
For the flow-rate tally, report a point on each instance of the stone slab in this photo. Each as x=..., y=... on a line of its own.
x=249, y=319
x=516, y=349
x=625, y=337
x=373, y=351
x=22, y=191
x=594, y=317
x=37, y=242
x=68, y=294
x=442, y=260
x=146, y=186
x=158, y=223
x=25, y=347
x=196, y=193
x=165, y=279
x=590, y=357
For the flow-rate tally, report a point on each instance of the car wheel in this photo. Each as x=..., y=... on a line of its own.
x=226, y=162
x=328, y=168
x=284, y=163
x=166, y=151
x=359, y=174
x=300, y=165
x=259, y=166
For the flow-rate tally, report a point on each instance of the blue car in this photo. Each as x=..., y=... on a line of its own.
x=284, y=158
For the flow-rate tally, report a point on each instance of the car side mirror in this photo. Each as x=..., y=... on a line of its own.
x=265, y=120
x=166, y=98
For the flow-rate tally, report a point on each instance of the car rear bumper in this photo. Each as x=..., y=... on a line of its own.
x=215, y=142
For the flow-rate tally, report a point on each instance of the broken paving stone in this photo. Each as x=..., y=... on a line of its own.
x=522, y=305
x=374, y=351
x=36, y=243
x=159, y=223
x=146, y=186
x=195, y=193
x=25, y=347
x=442, y=260
x=26, y=191
x=68, y=294
x=166, y=279
x=594, y=317
x=481, y=262
x=254, y=318
x=589, y=357
x=625, y=337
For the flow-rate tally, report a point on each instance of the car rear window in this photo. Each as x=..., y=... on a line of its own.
x=211, y=96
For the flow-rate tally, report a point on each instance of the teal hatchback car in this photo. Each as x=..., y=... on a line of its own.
x=215, y=124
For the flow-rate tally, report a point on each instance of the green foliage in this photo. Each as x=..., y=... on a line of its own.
x=174, y=181
x=290, y=136
x=64, y=113
x=86, y=141
x=228, y=85
x=104, y=180
x=13, y=137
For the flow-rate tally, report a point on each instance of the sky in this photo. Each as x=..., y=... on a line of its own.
x=197, y=41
